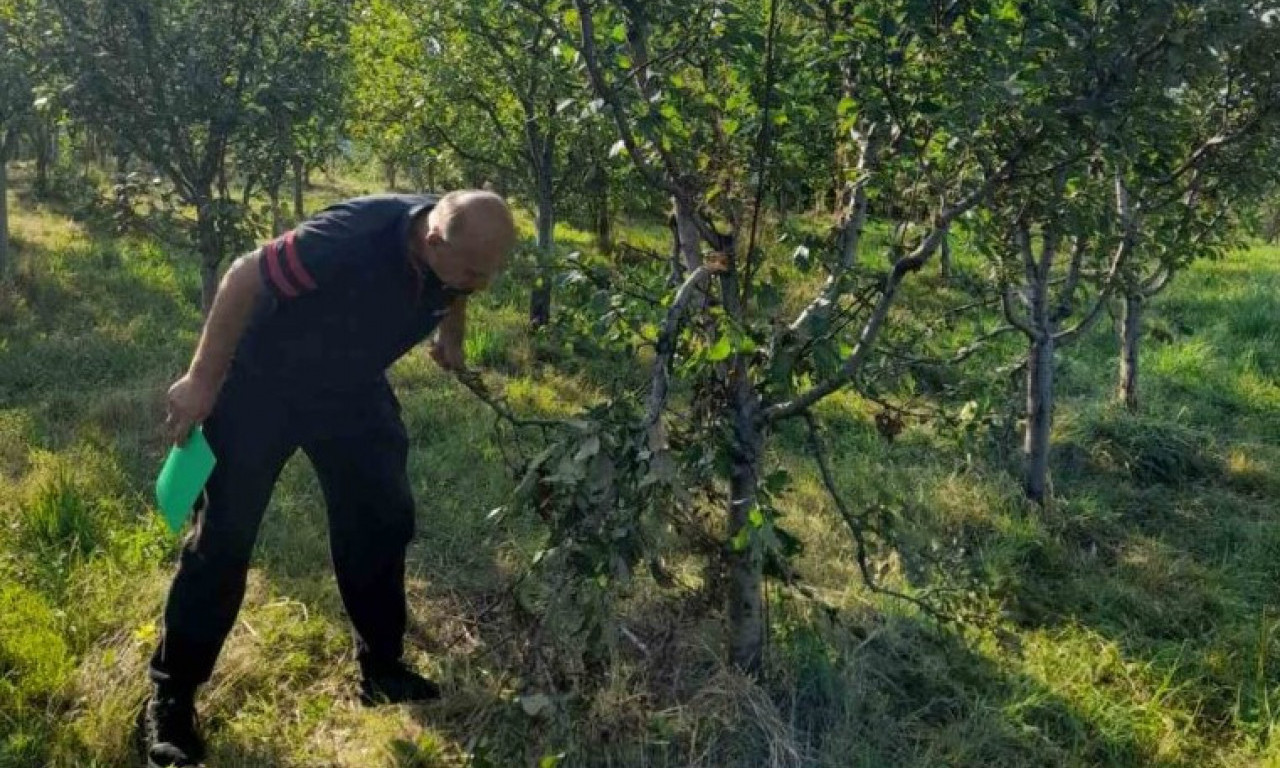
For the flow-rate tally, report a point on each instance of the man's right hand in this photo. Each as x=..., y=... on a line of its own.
x=190, y=401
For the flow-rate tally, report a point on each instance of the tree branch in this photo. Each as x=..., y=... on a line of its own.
x=1010, y=311
x=472, y=380
x=586, y=24
x=666, y=346
x=856, y=526
x=1063, y=310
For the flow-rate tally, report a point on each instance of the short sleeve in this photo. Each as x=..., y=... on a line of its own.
x=312, y=256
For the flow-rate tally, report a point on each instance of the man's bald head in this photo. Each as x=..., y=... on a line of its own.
x=476, y=213
x=469, y=233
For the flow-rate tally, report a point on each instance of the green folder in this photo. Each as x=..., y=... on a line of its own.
x=182, y=478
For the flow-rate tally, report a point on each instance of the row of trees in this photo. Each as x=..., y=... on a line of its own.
x=1087, y=151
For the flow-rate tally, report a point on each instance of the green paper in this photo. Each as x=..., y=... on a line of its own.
x=183, y=477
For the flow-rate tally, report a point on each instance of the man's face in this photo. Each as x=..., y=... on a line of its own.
x=468, y=265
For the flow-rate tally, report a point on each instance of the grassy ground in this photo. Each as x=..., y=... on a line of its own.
x=1133, y=623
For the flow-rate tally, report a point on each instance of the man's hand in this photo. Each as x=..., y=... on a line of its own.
x=447, y=349
x=448, y=354
x=191, y=400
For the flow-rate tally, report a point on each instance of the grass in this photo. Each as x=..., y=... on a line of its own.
x=1134, y=623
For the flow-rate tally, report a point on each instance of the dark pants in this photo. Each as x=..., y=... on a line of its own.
x=358, y=446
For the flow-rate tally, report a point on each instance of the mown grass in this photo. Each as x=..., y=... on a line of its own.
x=1132, y=623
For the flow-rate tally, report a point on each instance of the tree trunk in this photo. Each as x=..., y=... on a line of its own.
x=5, y=267
x=599, y=183
x=944, y=262
x=1035, y=447
x=676, y=258
x=277, y=215
x=210, y=252
x=1130, y=335
x=690, y=240
x=745, y=557
x=391, y=176
x=1271, y=227
x=299, y=180
x=42, y=135
x=124, y=204
x=540, y=299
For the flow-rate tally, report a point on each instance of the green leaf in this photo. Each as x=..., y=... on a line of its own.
x=536, y=704
x=619, y=33
x=590, y=447
x=720, y=350
x=755, y=517
x=741, y=540
x=550, y=761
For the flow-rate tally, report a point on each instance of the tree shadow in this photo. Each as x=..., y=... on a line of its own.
x=870, y=690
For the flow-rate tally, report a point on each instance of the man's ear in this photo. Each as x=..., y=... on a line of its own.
x=435, y=236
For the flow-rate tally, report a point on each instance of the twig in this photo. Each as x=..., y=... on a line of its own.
x=471, y=379
x=856, y=528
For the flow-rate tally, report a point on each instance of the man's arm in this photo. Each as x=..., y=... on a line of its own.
x=191, y=398
x=447, y=350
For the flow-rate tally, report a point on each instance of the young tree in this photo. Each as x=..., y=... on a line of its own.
x=1198, y=155
x=491, y=90
x=174, y=83
x=946, y=107
x=295, y=113
x=16, y=101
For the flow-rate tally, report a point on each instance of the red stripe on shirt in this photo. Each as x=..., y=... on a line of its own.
x=296, y=270
x=271, y=252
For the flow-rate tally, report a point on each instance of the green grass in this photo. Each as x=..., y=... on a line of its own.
x=1133, y=623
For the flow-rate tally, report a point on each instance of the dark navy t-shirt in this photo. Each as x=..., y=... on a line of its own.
x=345, y=300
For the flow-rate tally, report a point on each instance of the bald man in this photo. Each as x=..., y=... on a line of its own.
x=294, y=355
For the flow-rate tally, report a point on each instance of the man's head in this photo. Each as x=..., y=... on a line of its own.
x=466, y=238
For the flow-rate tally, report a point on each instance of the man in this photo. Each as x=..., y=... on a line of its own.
x=293, y=355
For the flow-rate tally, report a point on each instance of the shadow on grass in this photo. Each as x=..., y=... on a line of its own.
x=876, y=691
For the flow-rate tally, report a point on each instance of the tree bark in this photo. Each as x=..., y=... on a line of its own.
x=690, y=239
x=746, y=562
x=123, y=200
x=1035, y=446
x=599, y=184
x=209, y=250
x=42, y=139
x=944, y=262
x=540, y=299
x=277, y=215
x=676, y=258
x=299, y=181
x=5, y=143
x=1130, y=336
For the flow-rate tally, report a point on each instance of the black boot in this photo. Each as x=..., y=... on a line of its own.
x=394, y=684
x=170, y=737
